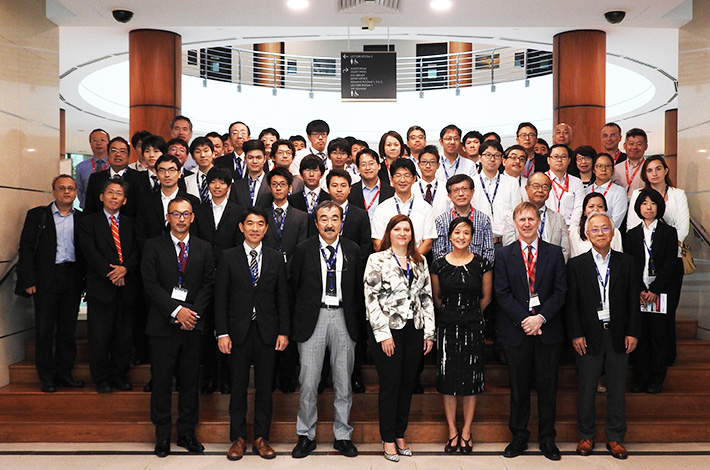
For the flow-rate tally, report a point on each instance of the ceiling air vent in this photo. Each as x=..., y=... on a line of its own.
x=380, y=5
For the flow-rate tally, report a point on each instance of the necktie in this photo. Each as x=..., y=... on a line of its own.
x=182, y=259
x=238, y=169
x=254, y=268
x=156, y=183
x=204, y=190
x=311, y=202
x=532, y=268
x=99, y=165
x=428, y=197
x=279, y=216
x=331, y=288
x=116, y=238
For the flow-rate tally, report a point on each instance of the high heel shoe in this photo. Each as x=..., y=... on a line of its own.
x=391, y=457
x=407, y=452
x=452, y=445
x=466, y=445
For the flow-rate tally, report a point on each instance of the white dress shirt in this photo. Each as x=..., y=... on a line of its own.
x=422, y=216
x=338, y=267
x=166, y=199
x=496, y=197
x=461, y=166
x=615, y=197
x=440, y=202
x=566, y=196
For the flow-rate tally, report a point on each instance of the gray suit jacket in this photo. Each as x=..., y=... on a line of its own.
x=555, y=231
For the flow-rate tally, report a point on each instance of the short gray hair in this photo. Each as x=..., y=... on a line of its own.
x=598, y=214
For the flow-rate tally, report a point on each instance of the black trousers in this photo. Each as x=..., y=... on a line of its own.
x=252, y=351
x=56, y=311
x=396, y=376
x=655, y=350
x=533, y=362
x=178, y=352
x=109, y=333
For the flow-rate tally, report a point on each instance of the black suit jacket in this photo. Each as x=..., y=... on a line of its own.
x=583, y=300
x=227, y=161
x=159, y=269
x=294, y=232
x=150, y=221
x=298, y=201
x=357, y=229
x=356, y=197
x=100, y=251
x=669, y=271
x=240, y=193
x=226, y=235
x=36, y=268
x=512, y=294
x=236, y=297
x=136, y=187
x=307, y=287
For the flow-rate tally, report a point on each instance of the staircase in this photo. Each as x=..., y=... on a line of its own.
x=679, y=414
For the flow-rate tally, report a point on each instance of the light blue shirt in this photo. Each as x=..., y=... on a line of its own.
x=83, y=173
x=368, y=196
x=64, y=225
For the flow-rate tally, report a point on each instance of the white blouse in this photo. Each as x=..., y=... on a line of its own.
x=677, y=214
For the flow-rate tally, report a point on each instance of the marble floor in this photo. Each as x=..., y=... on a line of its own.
x=103, y=456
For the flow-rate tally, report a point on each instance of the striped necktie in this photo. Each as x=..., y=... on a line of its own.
x=116, y=238
x=204, y=190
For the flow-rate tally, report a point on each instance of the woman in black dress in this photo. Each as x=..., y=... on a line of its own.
x=462, y=284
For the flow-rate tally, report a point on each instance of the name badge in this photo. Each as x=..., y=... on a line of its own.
x=331, y=300
x=534, y=301
x=603, y=314
x=179, y=294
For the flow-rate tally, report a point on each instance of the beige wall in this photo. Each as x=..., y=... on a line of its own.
x=29, y=119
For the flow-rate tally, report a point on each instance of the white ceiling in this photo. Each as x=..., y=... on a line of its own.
x=89, y=33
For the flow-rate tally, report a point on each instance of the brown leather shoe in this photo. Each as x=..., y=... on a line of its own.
x=261, y=446
x=236, y=452
x=585, y=447
x=617, y=450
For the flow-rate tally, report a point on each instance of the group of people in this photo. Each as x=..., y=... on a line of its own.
x=310, y=257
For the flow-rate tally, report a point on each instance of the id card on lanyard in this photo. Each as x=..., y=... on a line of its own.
x=603, y=310
x=179, y=292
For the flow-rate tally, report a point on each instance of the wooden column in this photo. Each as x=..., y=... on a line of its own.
x=579, y=79
x=465, y=64
x=670, y=150
x=269, y=68
x=155, y=64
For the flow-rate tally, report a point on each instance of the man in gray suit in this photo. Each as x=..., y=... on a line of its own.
x=553, y=228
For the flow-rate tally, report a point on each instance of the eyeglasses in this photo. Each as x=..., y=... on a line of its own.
x=284, y=153
x=169, y=171
x=450, y=139
x=599, y=166
x=527, y=136
x=559, y=157
x=64, y=189
x=416, y=136
x=460, y=190
x=428, y=162
x=491, y=156
x=339, y=154
x=613, y=136
x=369, y=164
x=119, y=151
x=517, y=159
x=402, y=176
x=276, y=184
x=319, y=134
x=242, y=133
x=583, y=158
x=177, y=150
x=180, y=215
x=538, y=186
x=111, y=192
x=596, y=230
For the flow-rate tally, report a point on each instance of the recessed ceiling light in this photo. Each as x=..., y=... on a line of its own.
x=440, y=5
x=297, y=4
x=702, y=151
x=30, y=150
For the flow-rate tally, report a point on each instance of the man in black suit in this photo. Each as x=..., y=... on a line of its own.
x=217, y=222
x=150, y=221
x=526, y=136
x=370, y=190
x=326, y=279
x=235, y=161
x=288, y=227
x=252, y=319
x=604, y=322
x=50, y=269
x=252, y=190
x=312, y=169
x=118, y=155
x=178, y=274
x=109, y=244
x=530, y=285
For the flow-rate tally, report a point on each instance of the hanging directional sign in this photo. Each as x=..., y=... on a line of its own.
x=368, y=76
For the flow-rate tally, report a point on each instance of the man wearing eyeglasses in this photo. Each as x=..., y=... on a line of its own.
x=611, y=138
x=235, y=161
x=567, y=190
x=526, y=137
x=428, y=188
x=150, y=219
x=604, y=322
x=514, y=159
x=98, y=140
x=282, y=154
x=178, y=275
x=317, y=132
x=181, y=128
x=118, y=157
x=453, y=164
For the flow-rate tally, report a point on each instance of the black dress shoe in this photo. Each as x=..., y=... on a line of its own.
x=48, y=387
x=653, y=389
x=103, y=387
x=418, y=387
x=225, y=388
x=147, y=388
x=358, y=387
x=190, y=442
x=304, y=447
x=345, y=447
x=637, y=388
x=122, y=385
x=209, y=387
x=515, y=448
x=287, y=388
x=550, y=451
x=162, y=448
x=68, y=382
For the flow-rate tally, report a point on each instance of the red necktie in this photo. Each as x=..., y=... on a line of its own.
x=531, y=270
x=182, y=259
x=116, y=238
x=428, y=196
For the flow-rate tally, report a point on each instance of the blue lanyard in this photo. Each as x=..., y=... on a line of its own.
x=606, y=279
x=651, y=267
x=345, y=214
x=281, y=227
x=330, y=264
x=181, y=263
x=255, y=272
x=456, y=168
x=433, y=193
x=252, y=188
x=485, y=191
x=541, y=228
x=408, y=272
x=399, y=211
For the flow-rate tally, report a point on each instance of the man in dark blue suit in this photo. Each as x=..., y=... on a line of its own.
x=531, y=284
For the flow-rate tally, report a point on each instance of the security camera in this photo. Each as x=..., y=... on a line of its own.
x=615, y=16
x=122, y=16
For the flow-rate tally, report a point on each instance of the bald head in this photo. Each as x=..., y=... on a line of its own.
x=562, y=134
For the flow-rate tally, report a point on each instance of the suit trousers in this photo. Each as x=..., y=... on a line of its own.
x=177, y=354
x=263, y=356
x=533, y=362
x=109, y=333
x=397, y=374
x=330, y=332
x=56, y=312
x=651, y=357
x=590, y=369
